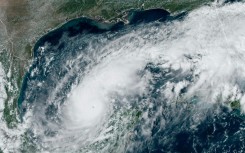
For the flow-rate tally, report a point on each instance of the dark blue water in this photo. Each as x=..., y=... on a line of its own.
x=82, y=26
x=220, y=131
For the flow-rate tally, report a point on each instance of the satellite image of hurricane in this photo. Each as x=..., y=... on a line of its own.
x=99, y=76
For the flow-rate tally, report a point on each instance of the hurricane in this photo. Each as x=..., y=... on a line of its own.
x=159, y=86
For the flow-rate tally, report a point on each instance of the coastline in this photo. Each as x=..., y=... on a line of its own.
x=85, y=25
